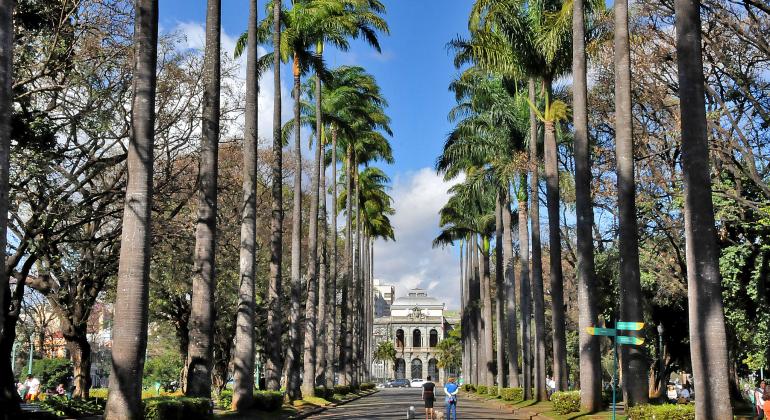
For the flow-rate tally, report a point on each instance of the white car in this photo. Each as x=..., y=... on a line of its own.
x=417, y=383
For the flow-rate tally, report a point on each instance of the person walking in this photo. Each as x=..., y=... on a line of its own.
x=33, y=387
x=759, y=400
x=451, y=389
x=429, y=396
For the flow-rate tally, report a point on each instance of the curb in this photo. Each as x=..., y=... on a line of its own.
x=320, y=409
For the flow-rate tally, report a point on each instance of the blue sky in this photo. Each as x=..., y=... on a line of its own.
x=414, y=71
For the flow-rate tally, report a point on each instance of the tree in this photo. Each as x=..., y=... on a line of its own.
x=130, y=328
x=203, y=314
x=6, y=104
x=450, y=350
x=385, y=353
x=244, y=356
x=706, y=314
x=634, y=364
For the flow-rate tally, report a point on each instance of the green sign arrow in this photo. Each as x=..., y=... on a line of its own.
x=635, y=341
x=602, y=331
x=629, y=326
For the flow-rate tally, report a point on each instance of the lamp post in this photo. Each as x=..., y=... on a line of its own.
x=660, y=351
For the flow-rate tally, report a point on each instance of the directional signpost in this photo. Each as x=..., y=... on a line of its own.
x=619, y=339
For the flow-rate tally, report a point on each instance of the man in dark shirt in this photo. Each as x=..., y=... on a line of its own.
x=429, y=397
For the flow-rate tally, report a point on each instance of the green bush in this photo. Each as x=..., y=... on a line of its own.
x=163, y=369
x=341, y=389
x=665, y=411
x=566, y=402
x=73, y=408
x=51, y=372
x=492, y=390
x=268, y=400
x=225, y=400
x=512, y=394
x=482, y=389
x=367, y=386
x=176, y=408
x=325, y=393
x=469, y=387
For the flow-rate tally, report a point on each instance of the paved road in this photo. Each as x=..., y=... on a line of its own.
x=393, y=403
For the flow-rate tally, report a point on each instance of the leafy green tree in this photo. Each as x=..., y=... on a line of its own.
x=52, y=372
x=450, y=350
x=163, y=369
x=386, y=353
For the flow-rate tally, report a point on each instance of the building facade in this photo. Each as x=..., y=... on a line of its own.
x=384, y=295
x=415, y=326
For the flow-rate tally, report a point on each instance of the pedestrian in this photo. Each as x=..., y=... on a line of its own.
x=686, y=393
x=759, y=401
x=671, y=394
x=33, y=387
x=451, y=389
x=429, y=396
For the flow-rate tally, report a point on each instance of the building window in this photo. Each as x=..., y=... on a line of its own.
x=433, y=340
x=400, y=338
x=416, y=369
x=400, y=369
x=433, y=369
x=416, y=338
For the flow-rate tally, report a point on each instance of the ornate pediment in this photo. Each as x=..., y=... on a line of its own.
x=417, y=313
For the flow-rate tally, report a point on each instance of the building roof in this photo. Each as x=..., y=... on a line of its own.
x=417, y=297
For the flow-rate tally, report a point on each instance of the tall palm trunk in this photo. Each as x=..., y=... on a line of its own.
x=525, y=294
x=554, y=246
x=332, y=343
x=537, y=259
x=464, y=310
x=132, y=298
x=590, y=357
x=199, y=355
x=312, y=302
x=273, y=343
x=510, y=295
x=634, y=366
x=486, y=294
x=347, y=290
x=708, y=341
x=503, y=284
x=295, y=344
x=324, y=291
x=356, y=350
x=475, y=296
x=243, y=356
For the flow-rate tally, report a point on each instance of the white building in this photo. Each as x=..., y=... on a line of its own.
x=384, y=294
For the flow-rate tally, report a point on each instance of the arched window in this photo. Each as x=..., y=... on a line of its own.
x=417, y=369
x=433, y=340
x=400, y=369
x=399, y=338
x=433, y=369
x=416, y=338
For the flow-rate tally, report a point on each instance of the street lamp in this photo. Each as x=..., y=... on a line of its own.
x=660, y=350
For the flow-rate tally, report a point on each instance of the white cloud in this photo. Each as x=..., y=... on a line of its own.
x=411, y=261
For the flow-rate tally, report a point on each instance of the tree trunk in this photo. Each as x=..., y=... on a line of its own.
x=590, y=357
x=475, y=296
x=464, y=310
x=80, y=352
x=510, y=295
x=332, y=343
x=312, y=302
x=501, y=284
x=486, y=290
x=295, y=344
x=708, y=341
x=537, y=260
x=634, y=366
x=525, y=294
x=554, y=242
x=131, y=304
x=199, y=357
x=324, y=292
x=6, y=105
x=347, y=292
x=273, y=343
x=356, y=301
x=243, y=359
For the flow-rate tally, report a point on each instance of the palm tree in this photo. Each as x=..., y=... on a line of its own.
x=708, y=340
x=274, y=365
x=525, y=289
x=199, y=359
x=131, y=305
x=590, y=360
x=6, y=103
x=243, y=357
x=634, y=366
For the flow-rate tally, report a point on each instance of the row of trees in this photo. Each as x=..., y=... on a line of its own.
x=118, y=132
x=512, y=117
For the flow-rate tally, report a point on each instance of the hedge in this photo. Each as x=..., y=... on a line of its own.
x=225, y=400
x=469, y=387
x=181, y=408
x=268, y=400
x=342, y=389
x=73, y=408
x=325, y=393
x=512, y=394
x=665, y=411
x=566, y=402
x=367, y=386
x=482, y=389
x=492, y=390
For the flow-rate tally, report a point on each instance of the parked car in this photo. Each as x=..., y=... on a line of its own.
x=417, y=383
x=398, y=383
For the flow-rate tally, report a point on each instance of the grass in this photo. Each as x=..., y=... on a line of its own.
x=281, y=414
x=582, y=415
x=317, y=401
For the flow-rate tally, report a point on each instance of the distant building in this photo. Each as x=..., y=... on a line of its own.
x=384, y=294
x=415, y=325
